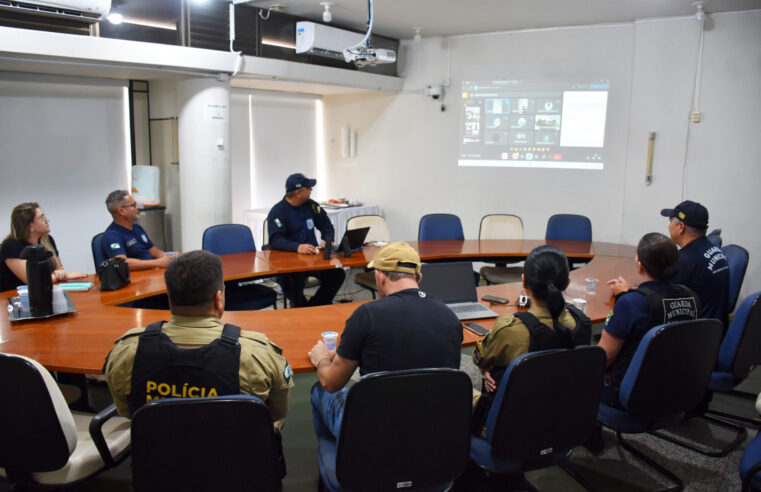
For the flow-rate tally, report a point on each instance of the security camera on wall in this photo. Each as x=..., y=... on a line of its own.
x=435, y=91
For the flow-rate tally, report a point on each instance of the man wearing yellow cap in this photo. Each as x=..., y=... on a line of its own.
x=404, y=329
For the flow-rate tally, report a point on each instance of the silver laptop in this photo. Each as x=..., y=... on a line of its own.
x=454, y=284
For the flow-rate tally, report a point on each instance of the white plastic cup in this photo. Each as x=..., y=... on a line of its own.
x=581, y=304
x=59, y=300
x=23, y=297
x=330, y=339
x=592, y=285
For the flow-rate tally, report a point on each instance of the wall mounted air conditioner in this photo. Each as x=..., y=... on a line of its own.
x=318, y=39
x=83, y=10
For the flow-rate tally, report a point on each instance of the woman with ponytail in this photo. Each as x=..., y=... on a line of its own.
x=638, y=309
x=547, y=324
x=29, y=225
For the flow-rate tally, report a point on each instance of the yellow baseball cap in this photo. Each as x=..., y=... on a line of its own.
x=396, y=257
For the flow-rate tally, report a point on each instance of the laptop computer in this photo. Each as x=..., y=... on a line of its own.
x=453, y=284
x=356, y=239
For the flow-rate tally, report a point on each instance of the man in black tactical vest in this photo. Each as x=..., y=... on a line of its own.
x=194, y=354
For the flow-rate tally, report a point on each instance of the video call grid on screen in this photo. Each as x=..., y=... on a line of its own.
x=536, y=124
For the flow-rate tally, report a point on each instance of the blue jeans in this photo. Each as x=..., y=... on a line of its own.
x=327, y=411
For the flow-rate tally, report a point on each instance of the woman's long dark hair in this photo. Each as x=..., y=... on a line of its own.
x=546, y=275
x=659, y=256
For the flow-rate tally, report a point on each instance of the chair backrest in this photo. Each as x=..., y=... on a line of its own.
x=569, y=227
x=265, y=234
x=671, y=369
x=500, y=226
x=377, y=224
x=740, y=350
x=440, y=226
x=225, y=239
x=715, y=237
x=223, y=443
x=37, y=430
x=405, y=426
x=737, y=257
x=98, y=253
x=545, y=401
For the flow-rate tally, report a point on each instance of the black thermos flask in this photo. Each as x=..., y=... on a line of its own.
x=38, y=277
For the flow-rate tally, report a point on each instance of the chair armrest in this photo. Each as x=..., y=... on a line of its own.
x=96, y=433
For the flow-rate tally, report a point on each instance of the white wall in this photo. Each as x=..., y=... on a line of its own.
x=65, y=144
x=273, y=135
x=408, y=149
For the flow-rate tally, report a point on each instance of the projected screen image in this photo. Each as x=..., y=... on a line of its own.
x=548, y=124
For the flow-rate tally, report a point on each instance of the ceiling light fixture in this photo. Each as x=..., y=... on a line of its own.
x=417, y=37
x=327, y=15
x=115, y=18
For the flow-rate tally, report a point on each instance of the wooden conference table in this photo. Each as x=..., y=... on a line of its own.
x=79, y=342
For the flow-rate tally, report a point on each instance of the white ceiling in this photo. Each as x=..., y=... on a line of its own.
x=396, y=18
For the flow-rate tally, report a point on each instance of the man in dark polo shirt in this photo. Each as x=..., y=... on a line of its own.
x=125, y=238
x=702, y=266
x=404, y=329
x=291, y=224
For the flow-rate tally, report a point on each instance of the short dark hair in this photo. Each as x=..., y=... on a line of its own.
x=659, y=256
x=193, y=279
x=115, y=199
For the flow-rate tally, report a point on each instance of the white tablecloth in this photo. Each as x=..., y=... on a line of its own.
x=338, y=217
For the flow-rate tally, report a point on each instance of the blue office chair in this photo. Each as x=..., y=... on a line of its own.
x=435, y=227
x=98, y=253
x=715, y=237
x=545, y=406
x=228, y=239
x=404, y=430
x=739, y=354
x=737, y=257
x=42, y=442
x=750, y=465
x=569, y=227
x=223, y=443
x=667, y=377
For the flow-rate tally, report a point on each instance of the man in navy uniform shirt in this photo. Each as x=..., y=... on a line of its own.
x=125, y=238
x=702, y=266
x=291, y=224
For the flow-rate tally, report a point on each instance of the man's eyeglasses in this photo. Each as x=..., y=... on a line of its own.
x=134, y=204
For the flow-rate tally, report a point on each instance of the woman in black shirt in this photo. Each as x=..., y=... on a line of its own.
x=29, y=225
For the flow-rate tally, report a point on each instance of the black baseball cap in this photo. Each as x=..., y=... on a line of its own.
x=298, y=181
x=691, y=213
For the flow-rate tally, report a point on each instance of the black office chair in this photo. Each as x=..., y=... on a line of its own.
x=715, y=237
x=739, y=354
x=545, y=406
x=226, y=239
x=224, y=443
x=403, y=430
x=42, y=442
x=668, y=376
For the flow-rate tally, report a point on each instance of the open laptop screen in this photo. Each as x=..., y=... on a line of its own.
x=450, y=282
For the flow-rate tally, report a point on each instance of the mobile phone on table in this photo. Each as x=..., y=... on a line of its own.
x=477, y=329
x=499, y=300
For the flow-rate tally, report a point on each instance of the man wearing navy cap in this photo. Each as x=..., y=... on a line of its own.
x=291, y=224
x=702, y=266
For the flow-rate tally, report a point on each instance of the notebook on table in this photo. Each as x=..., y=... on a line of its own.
x=454, y=284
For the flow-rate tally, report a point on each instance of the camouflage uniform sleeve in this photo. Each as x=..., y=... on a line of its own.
x=265, y=373
x=508, y=339
x=118, y=372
